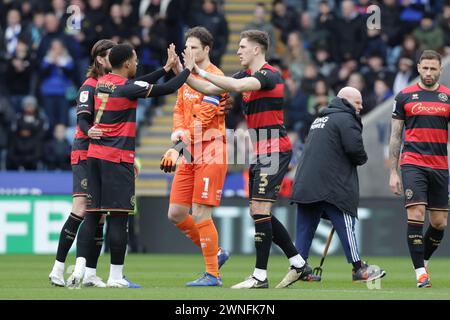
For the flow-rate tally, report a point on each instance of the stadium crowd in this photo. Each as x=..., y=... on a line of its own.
x=320, y=47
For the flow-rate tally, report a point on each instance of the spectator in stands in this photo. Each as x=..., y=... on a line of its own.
x=322, y=59
x=52, y=32
x=442, y=19
x=349, y=36
x=356, y=80
x=429, y=34
x=362, y=6
x=297, y=116
x=26, y=138
x=339, y=76
x=12, y=32
x=375, y=69
x=295, y=57
x=320, y=98
x=57, y=150
x=390, y=16
x=59, y=9
x=152, y=44
x=6, y=117
x=36, y=30
x=129, y=9
x=309, y=79
x=311, y=39
x=210, y=18
x=55, y=72
x=325, y=23
x=284, y=19
x=18, y=75
x=116, y=29
x=410, y=48
x=26, y=11
x=374, y=44
x=82, y=39
x=261, y=22
x=381, y=90
x=94, y=22
x=406, y=72
x=410, y=16
x=446, y=30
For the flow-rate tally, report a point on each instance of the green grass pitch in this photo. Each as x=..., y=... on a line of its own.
x=164, y=277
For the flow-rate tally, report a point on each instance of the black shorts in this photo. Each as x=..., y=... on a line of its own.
x=266, y=176
x=425, y=186
x=80, y=179
x=111, y=186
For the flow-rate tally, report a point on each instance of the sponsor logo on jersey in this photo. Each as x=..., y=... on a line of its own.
x=419, y=108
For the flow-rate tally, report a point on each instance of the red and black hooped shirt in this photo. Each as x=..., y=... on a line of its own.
x=115, y=114
x=85, y=104
x=426, y=115
x=263, y=111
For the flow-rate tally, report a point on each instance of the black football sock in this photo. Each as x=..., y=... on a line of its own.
x=118, y=237
x=433, y=238
x=86, y=234
x=263, y=240
x=94, y=253
x=282, y=239
x=67, y=236
x=415, y=242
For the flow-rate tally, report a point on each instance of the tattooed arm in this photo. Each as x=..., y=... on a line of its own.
x=395, y=144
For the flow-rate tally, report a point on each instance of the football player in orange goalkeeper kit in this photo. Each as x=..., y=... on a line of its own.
x=199, y=126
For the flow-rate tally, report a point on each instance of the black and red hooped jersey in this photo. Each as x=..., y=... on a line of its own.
x=263, y=110
x=115, y=113
x=85, y=104
x=426, y=115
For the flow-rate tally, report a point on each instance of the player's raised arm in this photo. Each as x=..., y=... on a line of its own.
x=229, y=84
x=157, y=74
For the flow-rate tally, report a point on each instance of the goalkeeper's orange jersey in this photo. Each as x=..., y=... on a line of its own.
x=198, y=113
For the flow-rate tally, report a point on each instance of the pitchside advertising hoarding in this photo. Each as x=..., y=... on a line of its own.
x=34, y=207
x=31, y=224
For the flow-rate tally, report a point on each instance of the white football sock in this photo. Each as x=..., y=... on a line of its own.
x=260, y=274
x=115, y=272
x=59, y=266
x=419, y=272
x=297, y=261
x=80, y=266
x=90, y=272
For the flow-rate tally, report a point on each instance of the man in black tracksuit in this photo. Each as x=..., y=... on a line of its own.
x=326, y=181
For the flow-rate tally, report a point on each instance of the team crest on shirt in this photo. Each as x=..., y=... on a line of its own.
x=443, y=97
x=84, y=184
x=246, y=96
x=415, y=96
x=409, y=194
x=84, y=95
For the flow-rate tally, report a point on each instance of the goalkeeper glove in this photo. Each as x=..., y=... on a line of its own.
x=169, y=159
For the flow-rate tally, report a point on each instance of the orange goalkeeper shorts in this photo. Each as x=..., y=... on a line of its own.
x=198, y=183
